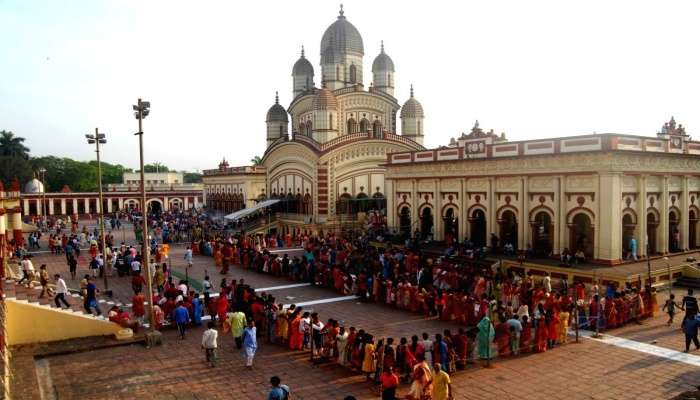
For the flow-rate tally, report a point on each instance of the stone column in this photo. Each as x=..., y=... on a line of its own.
x=642, y=217
x=121, y=203
x=75, y=206
x=39, y=206
x=16, y=215
x=51, y=211
x=166, y=203
x=63, y=206
x=390, y=204
x=523, y=223
x=438, y=229
x=26, y=206
x=609, y=219
x=187, y=202
x=462, y=201
x=561, y=222
x=684, y=205
x=491, y=223
x=3, y=246
x=415, y=203
x=662, y=230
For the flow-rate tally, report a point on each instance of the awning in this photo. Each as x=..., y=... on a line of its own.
x=247, y=211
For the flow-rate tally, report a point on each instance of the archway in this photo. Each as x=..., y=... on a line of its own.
x=628, y=227
x=477, y=223
x=581, y=235
x=542, y=234
x=652, y=223
x=451, y=225
x=69, y=207
x=426, y=223
x=674, y=233
x=508, y=229
x=155, y=207
x=405, y=221
x=692, y=229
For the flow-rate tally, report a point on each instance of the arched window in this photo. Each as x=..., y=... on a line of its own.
x=364, y=125
x=353, y=74
x=302, y=128
x=352, y=126
x=309, y=128
x=377, y=129
x=330, y=121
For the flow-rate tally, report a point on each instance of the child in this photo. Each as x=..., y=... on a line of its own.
x=670, y=307
x=209, y=343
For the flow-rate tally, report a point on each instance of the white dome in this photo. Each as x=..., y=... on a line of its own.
x=34, y=186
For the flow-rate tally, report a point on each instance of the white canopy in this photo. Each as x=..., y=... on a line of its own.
x=247, y=211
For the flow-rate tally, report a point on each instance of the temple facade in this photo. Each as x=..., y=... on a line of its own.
x=325, y=151
x=593, y=193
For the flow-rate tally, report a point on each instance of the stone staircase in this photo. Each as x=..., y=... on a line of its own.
x=13, y=291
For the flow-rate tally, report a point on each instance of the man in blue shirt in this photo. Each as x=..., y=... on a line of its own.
x=690, y=327
x=181, y=317
x=91, y=297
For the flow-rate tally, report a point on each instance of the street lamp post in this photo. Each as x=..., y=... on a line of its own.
x=97, y=139
x=141, y=111
x=670, y=280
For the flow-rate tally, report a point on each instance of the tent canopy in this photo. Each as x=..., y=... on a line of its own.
x=247, y=211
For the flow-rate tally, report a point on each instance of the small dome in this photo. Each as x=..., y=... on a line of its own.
x=302, y=66
x=34, y=186
x=412, y=108
x=383, y=62
x=277, y=113
x=325, y=100
x=341, y=38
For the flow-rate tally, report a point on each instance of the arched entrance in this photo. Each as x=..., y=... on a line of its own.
x=674, y=233
x=581, y=235
x=451, y=225
x=542, y=234
x=405, y=221
x=692, y=229
x=477, y=223
x=652, y=223
x=426, y=223
x=508, y=229
x=628, y=227
x=155, y=207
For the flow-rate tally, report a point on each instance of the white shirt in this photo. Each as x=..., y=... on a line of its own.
x=61, y=286
x=209, y=339
x=27, y=265
x=182, y=287
x=135, y=266
x=304, y=324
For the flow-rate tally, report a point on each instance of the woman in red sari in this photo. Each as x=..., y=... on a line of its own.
x=503, y=338
x=296, y=338
x=553, y=329
x=526, y=336
x=542, y=331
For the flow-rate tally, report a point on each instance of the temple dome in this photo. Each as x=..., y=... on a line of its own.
x=341, y=38
x=325, y=100
x=277, y=113
x=383, y=62
x=34, y=186
x=412, y=108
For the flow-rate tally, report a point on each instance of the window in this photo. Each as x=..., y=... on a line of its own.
x=352, y=126
x=353, y=74
x=281, y=130
x=330, y=122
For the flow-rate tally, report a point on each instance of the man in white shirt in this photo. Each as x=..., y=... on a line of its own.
x=188, y=256
x=209, y=344
x=61, y=292
x=135, y=266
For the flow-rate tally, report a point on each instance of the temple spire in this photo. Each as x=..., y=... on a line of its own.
x=382, y=47
x=341, y=13
x=302, y=51
x=411, y=90
x=277, y=97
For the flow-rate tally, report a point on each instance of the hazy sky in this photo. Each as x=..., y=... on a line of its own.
x=533, y=69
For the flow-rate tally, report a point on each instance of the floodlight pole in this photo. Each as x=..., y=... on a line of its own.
x=99, y=140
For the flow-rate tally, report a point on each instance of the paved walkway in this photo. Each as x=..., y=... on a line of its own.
x=590, y=369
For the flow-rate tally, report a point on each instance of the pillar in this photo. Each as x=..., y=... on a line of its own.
x=415, y=202
x=438, y=225
x=523, y=220
x=26, y=206
x=75, y=206
x=109, y=204
x=608, y=221
x=561, y=224
x=51, y=210
x=684, y=206
x=17, y=226
x=3, y=246
x=462, y=201
x=187, y=202
x=39, y=206
x=166, y=203
x=63, y=206
x=121, y=203
x=662, y=230
x=390, y=205
x=642, y=240
x=491, y=223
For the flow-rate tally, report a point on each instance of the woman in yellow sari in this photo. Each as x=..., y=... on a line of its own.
x=368, y=361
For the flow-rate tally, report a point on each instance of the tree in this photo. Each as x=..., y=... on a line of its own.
x=257, y=160
x=12, y=146
x=191, y=177
x=14, y=167
x=155, y=167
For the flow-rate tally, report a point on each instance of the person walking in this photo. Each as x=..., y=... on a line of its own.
x=188, y=257
x=181, y=317
x=278, y=391
x=670, y=308
x=690, y=305
x=250, y=343
x=61, y=291
x=209, y=344
x=442, y=386
x=690, y=328
x=91, y=297
x=43, y=280
x=237, y=322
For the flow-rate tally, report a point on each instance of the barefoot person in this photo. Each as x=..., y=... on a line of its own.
x=250, y=344
x=209, y=344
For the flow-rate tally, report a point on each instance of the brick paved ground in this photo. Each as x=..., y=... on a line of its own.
x=175, y=370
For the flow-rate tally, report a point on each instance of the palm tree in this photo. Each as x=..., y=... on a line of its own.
x=12, y=146
x=257, y=160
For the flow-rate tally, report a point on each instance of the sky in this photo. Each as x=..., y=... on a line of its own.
x=532, y=69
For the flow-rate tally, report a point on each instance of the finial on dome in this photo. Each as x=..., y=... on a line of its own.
x=341, y=13
x=411, y=90
x=302, y=51
x=277, y=97
x=382, y=47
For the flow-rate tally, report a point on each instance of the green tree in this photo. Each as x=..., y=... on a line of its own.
x=13, y=146
x=14, y=167
x=257, y=160
x=155, y=167
x=191, y=177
